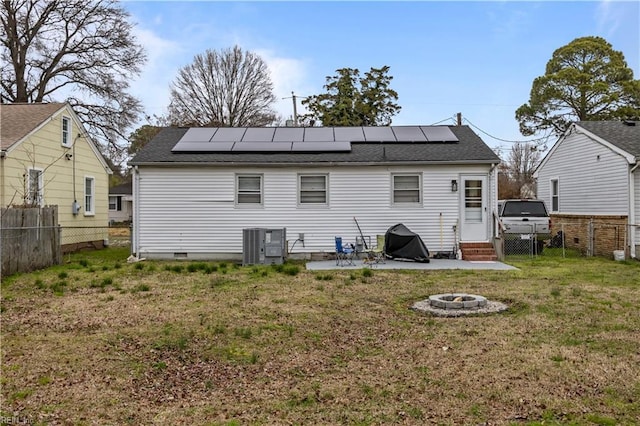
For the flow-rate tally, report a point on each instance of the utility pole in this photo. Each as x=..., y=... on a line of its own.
x=459, y=118
x=295, y=109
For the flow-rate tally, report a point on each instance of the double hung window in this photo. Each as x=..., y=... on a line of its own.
x=312, y=189
x=35, y=193
x=249, y=189
x=406, y=189
x=89, y=196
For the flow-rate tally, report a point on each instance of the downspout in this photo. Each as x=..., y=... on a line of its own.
x=3, y=154
x=632, y=211
x=135, y=233
x=494, y=185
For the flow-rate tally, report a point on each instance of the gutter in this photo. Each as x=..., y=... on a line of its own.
x=307, y=164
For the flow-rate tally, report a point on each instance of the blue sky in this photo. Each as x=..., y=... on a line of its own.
x=476, y=58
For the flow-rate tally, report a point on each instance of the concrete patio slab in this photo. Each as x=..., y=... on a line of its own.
x=435, y=264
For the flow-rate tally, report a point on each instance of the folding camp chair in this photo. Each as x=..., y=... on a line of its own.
x=344, y=254
x=376, y=255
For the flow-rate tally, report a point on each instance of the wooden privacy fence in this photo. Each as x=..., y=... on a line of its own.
x=29, y=239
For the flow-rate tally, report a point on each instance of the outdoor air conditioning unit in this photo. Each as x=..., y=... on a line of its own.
x=263, y=246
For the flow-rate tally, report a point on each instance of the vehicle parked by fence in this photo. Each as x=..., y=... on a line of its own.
x=526, y=225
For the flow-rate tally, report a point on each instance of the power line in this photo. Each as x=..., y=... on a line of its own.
x=442, y=121
x=540, y=140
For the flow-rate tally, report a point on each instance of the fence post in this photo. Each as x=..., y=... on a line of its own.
x=564, y=252
x=590, y=238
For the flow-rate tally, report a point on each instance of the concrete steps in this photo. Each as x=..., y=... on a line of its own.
x=478, y=252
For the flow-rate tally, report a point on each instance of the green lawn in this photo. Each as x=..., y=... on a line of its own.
x=101, y=341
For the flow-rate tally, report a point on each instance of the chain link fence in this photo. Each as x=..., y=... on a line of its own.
x=527, y=243
x=586, y=238
x=76, y=238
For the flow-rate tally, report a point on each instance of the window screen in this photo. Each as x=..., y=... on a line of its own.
x=249, y=189
x=313, y=189
x=406, y=189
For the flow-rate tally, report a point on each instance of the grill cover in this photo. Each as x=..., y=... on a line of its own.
x=400, y=242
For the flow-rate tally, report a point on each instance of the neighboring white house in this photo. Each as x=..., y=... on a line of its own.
x=196, y=189
x=120, y=203
x=592, y=174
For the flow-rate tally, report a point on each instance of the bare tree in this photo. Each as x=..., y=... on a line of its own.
x=516, y=175
x=81, y=50
x=226, y=88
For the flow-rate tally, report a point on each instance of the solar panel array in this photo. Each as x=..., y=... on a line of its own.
x=304, y=139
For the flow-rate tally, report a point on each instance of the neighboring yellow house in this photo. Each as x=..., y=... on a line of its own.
x=47, y=158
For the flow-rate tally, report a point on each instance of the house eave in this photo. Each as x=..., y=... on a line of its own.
x=311, y=164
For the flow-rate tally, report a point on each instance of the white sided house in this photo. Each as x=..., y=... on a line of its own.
x=590, y=181
x=197, y=189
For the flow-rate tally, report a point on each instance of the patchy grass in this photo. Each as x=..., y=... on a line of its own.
x=89, y=342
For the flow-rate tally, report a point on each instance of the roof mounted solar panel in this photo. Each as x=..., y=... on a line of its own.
x=408, y=134
x=199, y=134
x=352, y=134
x=188, y=146
x=259, y=134
x=229, y=134
x=337, y=146
x=284, y=134
x=318, y=134
x=379, y=134
x=261, y=147
x=439, y=134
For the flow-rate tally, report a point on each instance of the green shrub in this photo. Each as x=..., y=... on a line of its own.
x=291, y=270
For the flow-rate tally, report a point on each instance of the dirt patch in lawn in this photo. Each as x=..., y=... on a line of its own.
x=203, y=343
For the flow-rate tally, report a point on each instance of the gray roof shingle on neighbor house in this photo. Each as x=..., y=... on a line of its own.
x=19, y=119
x=468, y=149
x=624, y=135
x=122, y=189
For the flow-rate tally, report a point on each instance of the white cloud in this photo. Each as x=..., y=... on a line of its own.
x=288, y=75
x=607, y=20
x=163, y=60
x=165, y=57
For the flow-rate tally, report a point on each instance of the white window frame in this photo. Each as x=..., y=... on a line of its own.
x=554, y=193
x=66, y=133
x=117, y=201
x=29, y=196
x=89, y=199
x=303, y=193
x=240, y=193
x=395, y=191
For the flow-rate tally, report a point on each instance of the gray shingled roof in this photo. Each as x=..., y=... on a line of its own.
x=622, y=135
x=122, y=189
x=469, y=149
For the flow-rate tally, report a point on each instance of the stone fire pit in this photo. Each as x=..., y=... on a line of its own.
x=458, y=304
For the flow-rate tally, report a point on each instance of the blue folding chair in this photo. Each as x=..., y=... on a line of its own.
x=344, y=254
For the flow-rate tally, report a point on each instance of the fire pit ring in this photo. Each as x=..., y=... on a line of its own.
x=458, y=304
x=457, y=301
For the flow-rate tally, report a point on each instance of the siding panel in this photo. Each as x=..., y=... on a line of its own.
x=193, y=210
x=592, y=178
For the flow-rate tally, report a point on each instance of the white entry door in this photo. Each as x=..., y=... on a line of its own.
x=474, y=208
